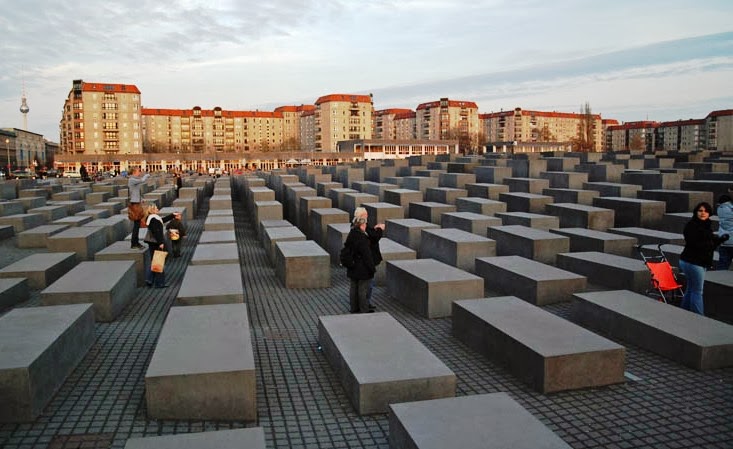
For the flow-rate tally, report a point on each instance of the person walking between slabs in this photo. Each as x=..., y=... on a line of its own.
x=363, y=269
x=725, y=226
x=155, y=238
x=135, y=210
x=176, y=232
x=697, y=256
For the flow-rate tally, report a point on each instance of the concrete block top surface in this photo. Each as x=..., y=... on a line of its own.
x=330, y=211
x=485, y=421
x=218, y=236
x=591, y=233
x=431, y=270
x=669, y=319
x=284, y=232
x=377, y=348
x=39, y=261
x=211, y=280
x=275, y=223
x=247, y=438
x=267, y=203
x=122, y=247
x=25, y=333
x=578, y=207
x=456, y=235
x=723, y=278
x=410, y=223
x=547, y=334
x=526, y=232
x=203, y=339
x=608, y=259
x=632, y=231
x=529, y=268
x=79, y=231
x=388, y=246
x=97, y=276
x=303, y=248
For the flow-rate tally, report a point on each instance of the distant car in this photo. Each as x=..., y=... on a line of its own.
x=23, y=174
x=72, y=174
x=52, y=173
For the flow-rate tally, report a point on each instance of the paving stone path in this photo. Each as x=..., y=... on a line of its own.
x=301, y=403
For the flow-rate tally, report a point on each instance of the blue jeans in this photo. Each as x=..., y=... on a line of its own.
x=695, y=278
x=153, y=279
x=725, y=255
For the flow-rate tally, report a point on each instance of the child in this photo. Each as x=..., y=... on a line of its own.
x=176, y=232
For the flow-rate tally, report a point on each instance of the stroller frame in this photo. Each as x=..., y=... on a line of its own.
x=664, y=284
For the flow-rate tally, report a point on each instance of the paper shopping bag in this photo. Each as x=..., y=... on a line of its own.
x=158, y=263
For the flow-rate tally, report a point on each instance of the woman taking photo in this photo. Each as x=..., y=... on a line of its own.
x=700, y=243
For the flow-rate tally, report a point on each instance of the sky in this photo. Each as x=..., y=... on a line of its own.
x=630, y=60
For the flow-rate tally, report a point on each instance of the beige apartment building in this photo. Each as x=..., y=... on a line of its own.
x=292, y=123
x=406, y=125
x=636, y=136
x=539, y=126
x=385, y=123
x=101, y=118
x=211, y=131
x=719, y=130
x=682, y=135
x=447, y=119
x=341, y=117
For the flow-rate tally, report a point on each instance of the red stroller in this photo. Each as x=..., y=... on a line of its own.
x=664, y=284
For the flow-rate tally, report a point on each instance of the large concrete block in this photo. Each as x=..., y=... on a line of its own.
x=530, y=220
x=527, y=185
x=470, y=222
x=353, y=200
x=379, y=362
x=583, y=240
x=302, y=264
x=455, y=247
x=41, y=269
x=307, y=204
x=13, y=290
x=682, y=201
x=717, y=294
x=378, y=189
x=40, y=347
x=607, y=270
x=321, y=218
x=215, y=254
x=651, y=179
x=13, y=207
x=203, y=366
x=419, y=183
x=534, y=282
x=381, y=212
x=429, y=211
x=74, y=220
x=407, y=231
x=336, y=234
x=576, y=196
x=38, y=237
x=484, y=421
x=485, y=190
x=525, y=202
x=565, y=180
x=108, y=285
x=613, y=189
x=542, y=349
x=22, y=222
x=85, y=241
x=632, y=211
x=445, y=195
x=273, y=235
x=582, y=216
x=428, y=287
x=122, y=251
x=211, y=284
x=482, y=206
x=247, y=438
x=219, y=223
x=693, y=340
x=403, y=198
x=650, y=236
x=491, y=174
x=266, y=210
x=391, y=250
x=529, y=243
x=337, y=197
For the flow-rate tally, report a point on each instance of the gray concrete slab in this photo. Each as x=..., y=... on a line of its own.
x=646, y=236
x=582, y=216
x=217, y=237
x=525, y=202
x=407, y=231
x=219, y=223
x=470, y=222
x=23, y=222
x=215, y=254
x=13, y=290
x=483, y=421
x=482, y=206
x=203, y=366
x=211, y=284
x=613, y=189
x=445, y=195
x=379, y=362
x=534, y=282
x=273, y=235
x=38, y=237
x=320, y=219
x=717, y=294
x=633, y=212
x=302, y=264
x=85, y=241
x=74, y=220
x=528, y=219
x=533, y=185
x=429, y=211
x=607, y=270
x=693, y=340
x=428, y=287
x=122, y=251
x=108, y=285
x=682, y=201
x=41, y=347
x=41, y=269
x=565, y=179
x=455, y=247
x=530, y=243
x=582, y=240
x=543, y=350
x=576, y=196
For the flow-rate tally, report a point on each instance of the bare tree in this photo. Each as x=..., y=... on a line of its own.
x=585, y=140
x=636, y=142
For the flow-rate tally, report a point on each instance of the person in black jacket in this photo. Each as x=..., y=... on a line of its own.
x=363, y=270
x=697, y=256
x=375, y=234
x=155, y=239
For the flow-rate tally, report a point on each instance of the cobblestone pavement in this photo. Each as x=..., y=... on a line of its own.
x=301, y=403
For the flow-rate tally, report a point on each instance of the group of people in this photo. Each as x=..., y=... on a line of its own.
x=700, y=244
x=157, y=230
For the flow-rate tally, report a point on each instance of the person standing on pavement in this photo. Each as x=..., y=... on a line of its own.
x=135, y=208
x=362, y=272
x=155, y=239
x=697, y=256
x=375, y=234
x=725, y=226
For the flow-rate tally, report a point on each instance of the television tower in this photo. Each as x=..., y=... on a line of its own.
x=24, y=108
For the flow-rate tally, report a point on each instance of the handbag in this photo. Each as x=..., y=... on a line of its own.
x=158, y=263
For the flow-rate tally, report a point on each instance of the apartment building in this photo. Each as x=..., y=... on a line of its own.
x=384, y=123
x=540, y=126
x=637, y=136
x=607, y=123
x=682, y=135
x=308, y=130
x=101, y=118
x=341, y=117
x=719, y=130
x=215, y=130
x=447, y=119
x=405, y=125
x=292, y=115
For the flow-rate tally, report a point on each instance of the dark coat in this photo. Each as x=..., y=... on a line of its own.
x=177, y=224
x=700, y=242
x=155, y=235
x=375, y=235
x=364, y=267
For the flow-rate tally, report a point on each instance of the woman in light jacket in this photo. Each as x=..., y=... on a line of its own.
x=725, y=226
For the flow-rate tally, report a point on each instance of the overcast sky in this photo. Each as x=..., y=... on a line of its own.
x=631, y=60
